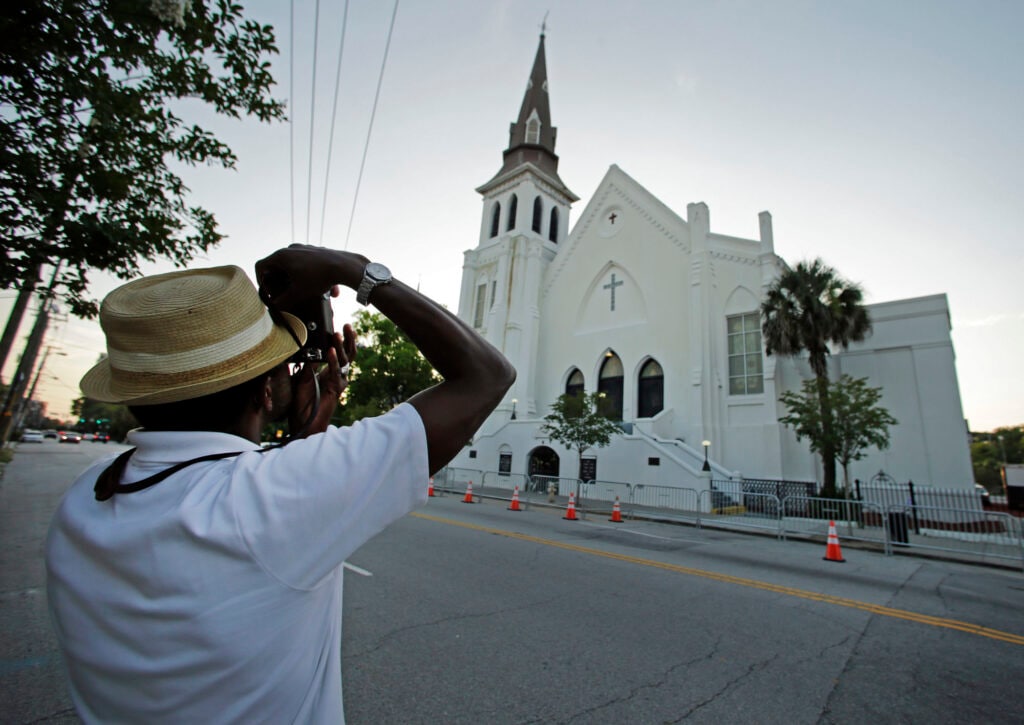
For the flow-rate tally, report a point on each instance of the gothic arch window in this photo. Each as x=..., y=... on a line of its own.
x=609, y=382
x=538, y=213
x=574, y=384
x=553, y=226
x=495, y=218
x=650, y=390
x=513, y=204
x=533, y=129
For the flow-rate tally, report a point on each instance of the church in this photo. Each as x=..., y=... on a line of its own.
x=661, y=314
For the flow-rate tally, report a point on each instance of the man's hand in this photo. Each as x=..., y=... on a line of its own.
x=291, y=276
x=332, y=379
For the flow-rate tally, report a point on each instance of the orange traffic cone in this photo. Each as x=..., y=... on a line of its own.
x=515, y=500
x=570, y=511
x=616, y=512
x=832, y=552
x=430, y=488
x=468, y=498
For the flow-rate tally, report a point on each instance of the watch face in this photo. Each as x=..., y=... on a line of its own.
x=378, y=271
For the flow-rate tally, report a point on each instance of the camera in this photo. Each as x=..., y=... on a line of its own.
x=316, y=315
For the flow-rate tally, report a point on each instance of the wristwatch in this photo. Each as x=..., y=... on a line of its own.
x=374, y=275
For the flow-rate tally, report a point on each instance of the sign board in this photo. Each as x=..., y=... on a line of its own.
x=588, y=469
x=505, y=463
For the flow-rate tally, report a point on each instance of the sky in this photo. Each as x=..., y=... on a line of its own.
x=883, y=137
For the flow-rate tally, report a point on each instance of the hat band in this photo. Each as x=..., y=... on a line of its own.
x=131, y=383
x=188, y=360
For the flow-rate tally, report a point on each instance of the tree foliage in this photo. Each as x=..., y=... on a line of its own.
x=574, y=421
x=809, y=309
x=89, y=130
x=858, y=421
x=112, y=418
x=989, y=451
x=388, y=369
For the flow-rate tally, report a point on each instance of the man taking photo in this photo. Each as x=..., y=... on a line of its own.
x=197, y=578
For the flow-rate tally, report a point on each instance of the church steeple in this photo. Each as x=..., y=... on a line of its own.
x=532, y=136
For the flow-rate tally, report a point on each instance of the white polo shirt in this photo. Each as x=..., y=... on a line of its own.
x=215, y=595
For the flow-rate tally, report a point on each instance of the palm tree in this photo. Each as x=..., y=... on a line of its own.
x=809, y=309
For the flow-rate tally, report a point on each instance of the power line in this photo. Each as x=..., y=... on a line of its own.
x=369, y=130
x=334, y=115
x=291, y=114
x=312, y=117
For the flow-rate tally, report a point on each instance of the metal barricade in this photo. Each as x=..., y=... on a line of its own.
x=504, y=482
x=967, y=531
x=811, y=515
x=606, y=491
x=680, y=502
x=456, y=479
x=721, y=507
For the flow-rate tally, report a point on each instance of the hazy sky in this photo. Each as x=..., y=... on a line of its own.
x=883, y=137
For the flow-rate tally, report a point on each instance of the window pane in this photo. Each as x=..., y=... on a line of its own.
x=755, y=384
x=651, y=369
x=736, y=386
x=612, y=367
x=735, y=324
x=735, y=366
x=753, y=343
x=750, y=322
x=735, y=344
x=753, y=365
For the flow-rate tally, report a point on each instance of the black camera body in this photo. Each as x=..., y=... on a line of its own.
x=316, y=315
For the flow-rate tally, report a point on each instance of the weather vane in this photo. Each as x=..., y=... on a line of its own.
x=544, y=23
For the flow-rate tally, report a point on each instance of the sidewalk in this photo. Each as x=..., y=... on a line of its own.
x=32, y=685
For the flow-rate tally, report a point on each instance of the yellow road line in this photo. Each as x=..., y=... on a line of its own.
x=752, y=583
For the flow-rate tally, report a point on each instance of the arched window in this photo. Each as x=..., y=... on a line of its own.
x=495, y=218
x=538, y=212
x=513, y=204
x=610, y=384
x=553, y=226
x=574, y=385
x=650, y=390
x=533, y=130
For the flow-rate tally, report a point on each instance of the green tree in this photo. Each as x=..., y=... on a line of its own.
x=808, y=309
x=858, y=421
x=989, y=451
x=112, y=418
x=388, y=369
x=576, y=423
x=90, y=133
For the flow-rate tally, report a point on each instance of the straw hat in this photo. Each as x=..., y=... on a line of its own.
x=185, y=334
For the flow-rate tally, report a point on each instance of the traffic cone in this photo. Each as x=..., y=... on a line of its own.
x=570, y=511
x=468, y=498
x=616, y=512
x=515, y=500
x=832, y=552
x=430, y=488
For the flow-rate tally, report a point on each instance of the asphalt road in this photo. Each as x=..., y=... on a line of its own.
x=475, y=614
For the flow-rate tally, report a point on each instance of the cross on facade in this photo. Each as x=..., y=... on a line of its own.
x=612, y=217
x=611, y=286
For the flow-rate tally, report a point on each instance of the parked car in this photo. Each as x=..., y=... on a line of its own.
x=986, y=497
x=31, y=436
x=69, y=436
x=50, y=434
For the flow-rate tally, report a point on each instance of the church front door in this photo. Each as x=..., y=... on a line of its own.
x=543, y=466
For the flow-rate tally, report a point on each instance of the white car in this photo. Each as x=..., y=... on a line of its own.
x=31, y=436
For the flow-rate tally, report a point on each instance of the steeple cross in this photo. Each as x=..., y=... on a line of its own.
x=611, y=286
x=612, y=217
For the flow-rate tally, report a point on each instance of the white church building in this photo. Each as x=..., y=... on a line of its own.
x=661, y=314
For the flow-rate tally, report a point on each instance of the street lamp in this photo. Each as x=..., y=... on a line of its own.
x=707, y=466
x=1002, y=448
x=514, y=401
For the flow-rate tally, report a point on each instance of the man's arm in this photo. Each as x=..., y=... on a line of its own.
x=476, y=375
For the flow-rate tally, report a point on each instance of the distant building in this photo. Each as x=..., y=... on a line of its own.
x=661, y=314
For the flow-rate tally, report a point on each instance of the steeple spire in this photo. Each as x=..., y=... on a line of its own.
x=532, y=136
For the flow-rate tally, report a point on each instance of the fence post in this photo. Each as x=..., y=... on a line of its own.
x=913, y=509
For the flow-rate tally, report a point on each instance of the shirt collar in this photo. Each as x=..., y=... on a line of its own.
x=160, y=446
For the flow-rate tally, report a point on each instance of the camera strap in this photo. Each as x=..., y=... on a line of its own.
x=109, y=481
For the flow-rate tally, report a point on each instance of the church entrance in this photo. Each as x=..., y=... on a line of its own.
x=542, y=467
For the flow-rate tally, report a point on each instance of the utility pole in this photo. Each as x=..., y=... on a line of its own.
x=17, y=313
x=27, y=363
